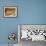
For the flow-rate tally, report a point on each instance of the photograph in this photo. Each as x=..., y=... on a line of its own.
x=32, y=32
x=10, y=11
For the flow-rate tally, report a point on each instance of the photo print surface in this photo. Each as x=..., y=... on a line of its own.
x=10, y=11
x=33, y=32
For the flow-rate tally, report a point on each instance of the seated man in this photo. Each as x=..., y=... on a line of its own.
x=24, y=34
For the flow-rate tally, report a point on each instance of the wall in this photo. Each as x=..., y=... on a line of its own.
x=29, y=12
x=7, y=25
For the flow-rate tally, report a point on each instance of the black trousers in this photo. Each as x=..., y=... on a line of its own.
x=45, y=37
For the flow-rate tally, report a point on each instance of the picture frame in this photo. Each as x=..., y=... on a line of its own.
x=36, y=32
x=10, y=11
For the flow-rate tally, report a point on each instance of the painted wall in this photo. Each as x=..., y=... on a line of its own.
x=29, y=12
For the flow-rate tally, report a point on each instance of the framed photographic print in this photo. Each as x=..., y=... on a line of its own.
x=33, y=32
x=10, y=11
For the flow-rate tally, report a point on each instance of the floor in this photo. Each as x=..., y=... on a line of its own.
x=30, y=43
x=7, y=45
